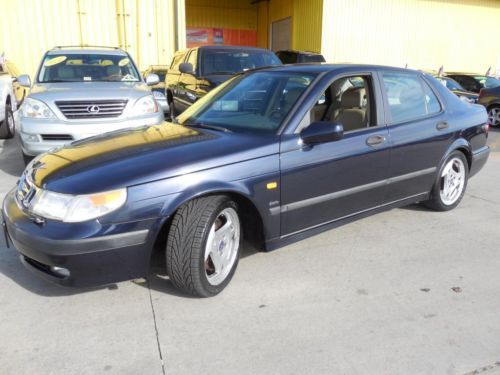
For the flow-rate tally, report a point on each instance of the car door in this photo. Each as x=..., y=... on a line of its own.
x=419, y=133
x=188, y=83
x=173, y=75
x=333, y=180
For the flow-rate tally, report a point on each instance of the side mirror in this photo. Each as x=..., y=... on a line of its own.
x=152, y=79
x=24, y=80
x=186, y=67
x=321, y=132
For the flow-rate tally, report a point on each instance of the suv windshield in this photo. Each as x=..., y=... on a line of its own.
x=257, y=102
x=221, y=61
x=450, y=84
x=87, y=67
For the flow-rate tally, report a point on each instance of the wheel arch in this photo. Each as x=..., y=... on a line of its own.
x=251, y=217
x=464, y=147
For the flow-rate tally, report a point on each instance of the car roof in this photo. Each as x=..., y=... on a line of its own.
x=299, y=52
x=329, y=67
x=464, y=74
x=236, y=48
x=75, y=50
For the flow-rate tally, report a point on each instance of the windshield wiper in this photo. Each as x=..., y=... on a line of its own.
x=208, y=126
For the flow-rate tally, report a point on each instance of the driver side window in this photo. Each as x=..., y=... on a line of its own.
x=348, y=100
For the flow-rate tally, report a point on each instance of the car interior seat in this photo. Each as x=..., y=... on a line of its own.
x=352, y=112
x=65, y=73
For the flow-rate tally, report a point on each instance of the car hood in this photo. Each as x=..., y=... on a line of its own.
x=136, y=156
x=217, y=79
x=468, y=94
x=88, y=90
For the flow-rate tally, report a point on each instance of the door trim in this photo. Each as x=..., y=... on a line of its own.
x=342, y=193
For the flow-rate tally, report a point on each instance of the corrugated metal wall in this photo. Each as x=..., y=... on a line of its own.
x=425, y=34
x=307, y=25
x=146, y=28
x=221, y=14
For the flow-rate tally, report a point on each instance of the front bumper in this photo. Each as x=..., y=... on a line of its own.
x=89, y=253
x=479, y=158
x=33, y=131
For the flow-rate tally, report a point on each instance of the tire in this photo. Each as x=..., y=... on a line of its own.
x=27, y=159
x=194, y=267
x=494, y=115
x=451, y=183
x=8, y=125
x=171, y=111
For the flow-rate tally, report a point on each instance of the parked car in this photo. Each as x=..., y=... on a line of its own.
x=474, y=82
x=296, y=57
x=196, y=71
x=158, y=89
x=260, y=158
x=8, y=105
x=490, y=98
x=80, y=92
x=20, y=92
x=457, y=89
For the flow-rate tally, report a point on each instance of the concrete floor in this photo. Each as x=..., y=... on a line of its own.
x=408, y=291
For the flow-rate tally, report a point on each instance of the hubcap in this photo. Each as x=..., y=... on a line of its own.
x=494, y=116
x=10, y=123
x=222, y=246
x=452, y=181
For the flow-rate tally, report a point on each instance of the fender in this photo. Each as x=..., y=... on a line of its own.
x=458, y=144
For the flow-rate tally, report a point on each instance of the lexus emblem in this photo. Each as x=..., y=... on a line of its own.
x=93, y=109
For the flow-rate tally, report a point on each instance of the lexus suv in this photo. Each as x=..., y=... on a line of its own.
x=81, y=92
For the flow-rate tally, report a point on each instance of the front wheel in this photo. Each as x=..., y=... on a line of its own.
x=8, y=126
x=494, y=116
x=203, y=245
x=450, y=184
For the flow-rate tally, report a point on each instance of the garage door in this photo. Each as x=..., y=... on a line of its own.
x=281, y=34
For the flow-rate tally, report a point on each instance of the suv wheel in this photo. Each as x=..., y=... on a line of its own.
x=494, y=116
x=8, y=126
x=203, y=245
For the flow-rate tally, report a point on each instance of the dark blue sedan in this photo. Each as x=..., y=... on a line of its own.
x=271, y=156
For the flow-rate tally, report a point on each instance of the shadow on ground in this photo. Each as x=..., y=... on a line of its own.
x=11, y=159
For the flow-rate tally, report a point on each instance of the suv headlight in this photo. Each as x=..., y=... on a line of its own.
x=146, y=104
x=76, y=208
x=33, y=108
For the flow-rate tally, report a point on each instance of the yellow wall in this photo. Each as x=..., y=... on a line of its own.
x=425, y=34
x=145, y=28
x=306, y=18
x=221, y=13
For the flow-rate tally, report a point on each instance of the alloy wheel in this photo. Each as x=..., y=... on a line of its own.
x=452, y=181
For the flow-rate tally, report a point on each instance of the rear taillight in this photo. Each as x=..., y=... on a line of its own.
x=481, y=94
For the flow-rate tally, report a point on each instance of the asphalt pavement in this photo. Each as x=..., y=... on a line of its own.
x=408, y=291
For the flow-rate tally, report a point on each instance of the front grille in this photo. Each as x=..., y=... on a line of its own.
x=57, y=137
x=89, y=109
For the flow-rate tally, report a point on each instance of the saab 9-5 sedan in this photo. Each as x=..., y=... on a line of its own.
x=271, y=156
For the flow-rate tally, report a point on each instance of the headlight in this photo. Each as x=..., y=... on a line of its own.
x=146, y=104
x=158, y=95
x=77, y=208
x=36, y=109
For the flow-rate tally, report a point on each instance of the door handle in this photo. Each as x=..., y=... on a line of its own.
x=442, y=125
x=375, y=140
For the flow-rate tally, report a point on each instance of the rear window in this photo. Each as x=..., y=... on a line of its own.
x=409, y=97
x=215, y=61
x=304, y=58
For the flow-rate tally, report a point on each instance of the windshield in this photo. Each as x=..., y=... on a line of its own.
x=220, y=61
x=488, y=82
x=87, y=67
x=255, y=103
x=450, y=84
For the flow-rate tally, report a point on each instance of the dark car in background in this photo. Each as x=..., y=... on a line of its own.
x=457, y=89
x=490, y=98
x=474, y=82
x=298, y=57
x=158, y=89
x=196, y=71
x=271, y=156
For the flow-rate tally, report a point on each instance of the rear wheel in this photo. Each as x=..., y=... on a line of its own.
x=494, y=116
x=450, y=184
x=203, y=245
x=8, y=126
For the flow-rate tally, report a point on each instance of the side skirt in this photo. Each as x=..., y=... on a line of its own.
x=288, y=239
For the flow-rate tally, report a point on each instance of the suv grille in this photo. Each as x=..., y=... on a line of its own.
x=57, y=137
x=88, y=109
